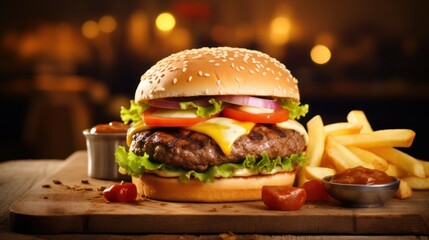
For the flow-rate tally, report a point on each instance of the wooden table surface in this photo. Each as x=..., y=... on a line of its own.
x=18, y=176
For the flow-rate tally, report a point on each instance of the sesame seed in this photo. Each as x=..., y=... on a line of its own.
x=224, y=60
x=211, y=61
x=218, y=82
x=184, y=69
x=277, y=78
x=200, y=73
x=174, y=80
x=264, y=73
x=207, y=74
x=251, y=71
x=217, y=64
x=189, y=78
x=232, y=65
x=237, y=79
x=242, y=68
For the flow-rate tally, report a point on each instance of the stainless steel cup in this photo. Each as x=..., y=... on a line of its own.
x=101, y=149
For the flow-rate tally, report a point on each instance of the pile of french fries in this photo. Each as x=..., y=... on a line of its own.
x=338, y=146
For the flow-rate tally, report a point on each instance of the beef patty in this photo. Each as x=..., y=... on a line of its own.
x=197, y=151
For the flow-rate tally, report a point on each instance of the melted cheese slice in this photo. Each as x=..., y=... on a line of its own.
x=135, y=128
x=224, y=131
x=294, y=125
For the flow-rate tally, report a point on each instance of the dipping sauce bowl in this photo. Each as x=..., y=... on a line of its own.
x=361, y=195
x=101, y=147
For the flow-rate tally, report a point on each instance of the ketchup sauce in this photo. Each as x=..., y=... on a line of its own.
x=362, y=175
x=112, y=127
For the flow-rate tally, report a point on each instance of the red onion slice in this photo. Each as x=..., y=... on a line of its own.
x=250, y=101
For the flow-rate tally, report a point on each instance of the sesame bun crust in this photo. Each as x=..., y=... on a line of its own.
x=232, y=189
x=217, y=71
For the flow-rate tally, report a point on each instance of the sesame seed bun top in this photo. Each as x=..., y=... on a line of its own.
x=217, y=71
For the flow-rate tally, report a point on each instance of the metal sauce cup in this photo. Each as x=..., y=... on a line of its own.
x=101, y=149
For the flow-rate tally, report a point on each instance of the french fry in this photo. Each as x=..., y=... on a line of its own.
x=342, y=128
x=308, y=173
x=316, y=142
x=342, y=157
x=401, y=159
x=358, y=116
x=417, y=183
x=425, y=166
x=317, y=173
x=302, y=178
x=326, y=161
x=370, y=157
x=395, y=171
x=380, y=138
x=404, y=190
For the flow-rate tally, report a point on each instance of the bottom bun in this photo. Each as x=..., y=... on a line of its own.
x=233, y=189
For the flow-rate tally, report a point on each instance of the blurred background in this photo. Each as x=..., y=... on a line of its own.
x=68, y=65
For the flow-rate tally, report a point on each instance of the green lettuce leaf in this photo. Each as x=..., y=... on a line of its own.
x=296, y=110
x=205, y=112
x=134, y=113
x=136, y=165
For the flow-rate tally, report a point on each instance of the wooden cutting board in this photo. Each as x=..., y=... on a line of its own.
x=74, y=206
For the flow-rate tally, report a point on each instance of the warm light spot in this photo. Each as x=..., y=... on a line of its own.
x=138, y=30
x=280, y=30
x=165, y=21
x=90, y=29
x=182, y=39
x=320, y=54
x=107, y=24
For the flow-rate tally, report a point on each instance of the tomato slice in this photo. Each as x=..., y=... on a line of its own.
x=285, y=198
x=315, y=191
x=278, y=115
x=170, y=118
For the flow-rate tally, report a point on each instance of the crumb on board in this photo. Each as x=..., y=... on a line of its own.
x=84, y=181
x=46, y=186
x=56, y=181
x=213, y=210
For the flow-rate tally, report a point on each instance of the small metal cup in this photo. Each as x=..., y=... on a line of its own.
x=101, y=149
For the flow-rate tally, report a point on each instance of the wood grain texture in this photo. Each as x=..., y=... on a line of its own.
x=69, y=208
x=17, y=177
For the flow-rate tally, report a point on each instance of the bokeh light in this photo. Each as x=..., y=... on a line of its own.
x=90, y=29
x=279, y=30
x=320, y=54
x=107, y=24
x=165, y=22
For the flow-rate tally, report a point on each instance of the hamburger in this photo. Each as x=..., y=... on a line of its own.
x=213, y=125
